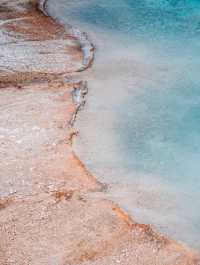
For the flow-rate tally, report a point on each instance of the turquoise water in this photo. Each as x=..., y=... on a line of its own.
x=162, y=134
x=152, y=101
x=142, y=17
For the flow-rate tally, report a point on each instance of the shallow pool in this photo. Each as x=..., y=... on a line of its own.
x=140, y=130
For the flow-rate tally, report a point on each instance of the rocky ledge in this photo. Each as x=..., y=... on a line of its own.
x=49, y=209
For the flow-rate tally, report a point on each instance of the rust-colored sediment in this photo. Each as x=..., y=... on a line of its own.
x=48, y=214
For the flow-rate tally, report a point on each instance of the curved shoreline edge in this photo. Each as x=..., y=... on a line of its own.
x=88, y=51
x=75, y=215
x=86, y=46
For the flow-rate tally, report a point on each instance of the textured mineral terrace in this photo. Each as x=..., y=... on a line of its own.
x=49, y=211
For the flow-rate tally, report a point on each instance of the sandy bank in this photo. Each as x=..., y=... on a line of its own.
x=48, y=211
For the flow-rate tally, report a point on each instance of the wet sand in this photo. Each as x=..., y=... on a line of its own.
x=52, y=209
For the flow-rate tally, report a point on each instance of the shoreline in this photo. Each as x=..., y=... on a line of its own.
x=87, y=47
x=124, y=225
x=44, y=8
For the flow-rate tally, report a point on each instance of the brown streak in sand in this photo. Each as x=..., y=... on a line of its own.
x=124, y=216
x=73, y=157
x=5, y=202
x=63, y=195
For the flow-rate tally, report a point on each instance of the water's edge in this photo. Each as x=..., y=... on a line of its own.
x=86, y=45
x=88, y=51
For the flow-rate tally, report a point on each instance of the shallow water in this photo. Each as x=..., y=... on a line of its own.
x=140, y=129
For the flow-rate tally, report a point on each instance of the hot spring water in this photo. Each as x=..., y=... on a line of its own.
x=140, y=129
